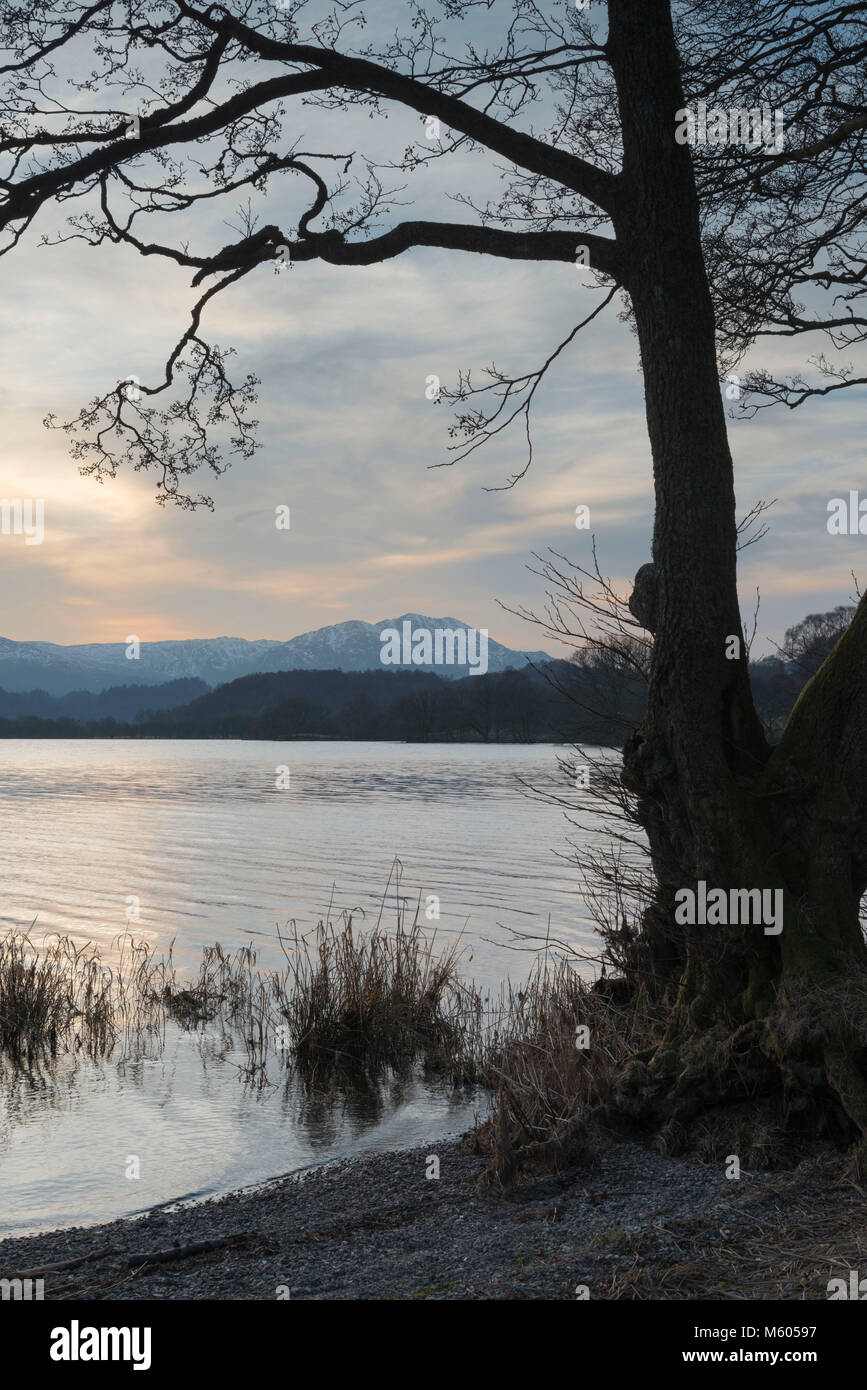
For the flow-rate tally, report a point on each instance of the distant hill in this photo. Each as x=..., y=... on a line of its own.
x=513, y=706
x=97, y=666
x=121, y=702
x=596, y=697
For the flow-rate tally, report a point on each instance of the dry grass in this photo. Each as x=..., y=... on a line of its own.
x=229, y=986
x=551, y=1059
x=785, y=1239
x=372, y=1000
x=348, y=1004
x=60, y=995
x=349, y=1007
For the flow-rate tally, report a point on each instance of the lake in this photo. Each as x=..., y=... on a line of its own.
x=209, y=841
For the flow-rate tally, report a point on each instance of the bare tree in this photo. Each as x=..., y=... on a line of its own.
x=811, y=641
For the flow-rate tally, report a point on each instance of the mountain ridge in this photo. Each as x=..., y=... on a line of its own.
x=352, y=645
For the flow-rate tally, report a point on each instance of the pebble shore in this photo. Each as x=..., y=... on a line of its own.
x=637, y=1225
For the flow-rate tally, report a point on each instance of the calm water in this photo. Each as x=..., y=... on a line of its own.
x=200, y=842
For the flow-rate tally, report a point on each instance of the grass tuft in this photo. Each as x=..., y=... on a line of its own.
x=354, y=1000
x=60, y=995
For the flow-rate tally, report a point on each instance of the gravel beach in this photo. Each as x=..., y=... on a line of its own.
x=637, y=1225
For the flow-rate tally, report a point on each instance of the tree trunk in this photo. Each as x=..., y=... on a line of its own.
x=753, y=1015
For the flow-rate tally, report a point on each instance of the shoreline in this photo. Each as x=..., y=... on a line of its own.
x=374, y=1226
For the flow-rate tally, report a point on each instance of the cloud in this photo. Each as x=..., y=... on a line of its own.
x=351, y=444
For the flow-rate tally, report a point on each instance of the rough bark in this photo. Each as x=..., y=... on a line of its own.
x=752, y=1015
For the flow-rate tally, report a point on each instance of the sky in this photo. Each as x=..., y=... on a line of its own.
x=352, y=445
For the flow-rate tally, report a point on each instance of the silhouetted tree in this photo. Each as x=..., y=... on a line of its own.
x=705, y=250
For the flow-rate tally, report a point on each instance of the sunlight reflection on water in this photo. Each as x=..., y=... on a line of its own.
x=200, y=834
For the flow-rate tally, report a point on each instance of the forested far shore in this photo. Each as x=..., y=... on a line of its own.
x=596, y=697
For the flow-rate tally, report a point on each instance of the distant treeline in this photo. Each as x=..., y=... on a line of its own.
x=516, y=706
x=597, y=697
x=123, y=702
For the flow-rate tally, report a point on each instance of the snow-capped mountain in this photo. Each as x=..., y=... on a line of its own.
x=349, y=646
